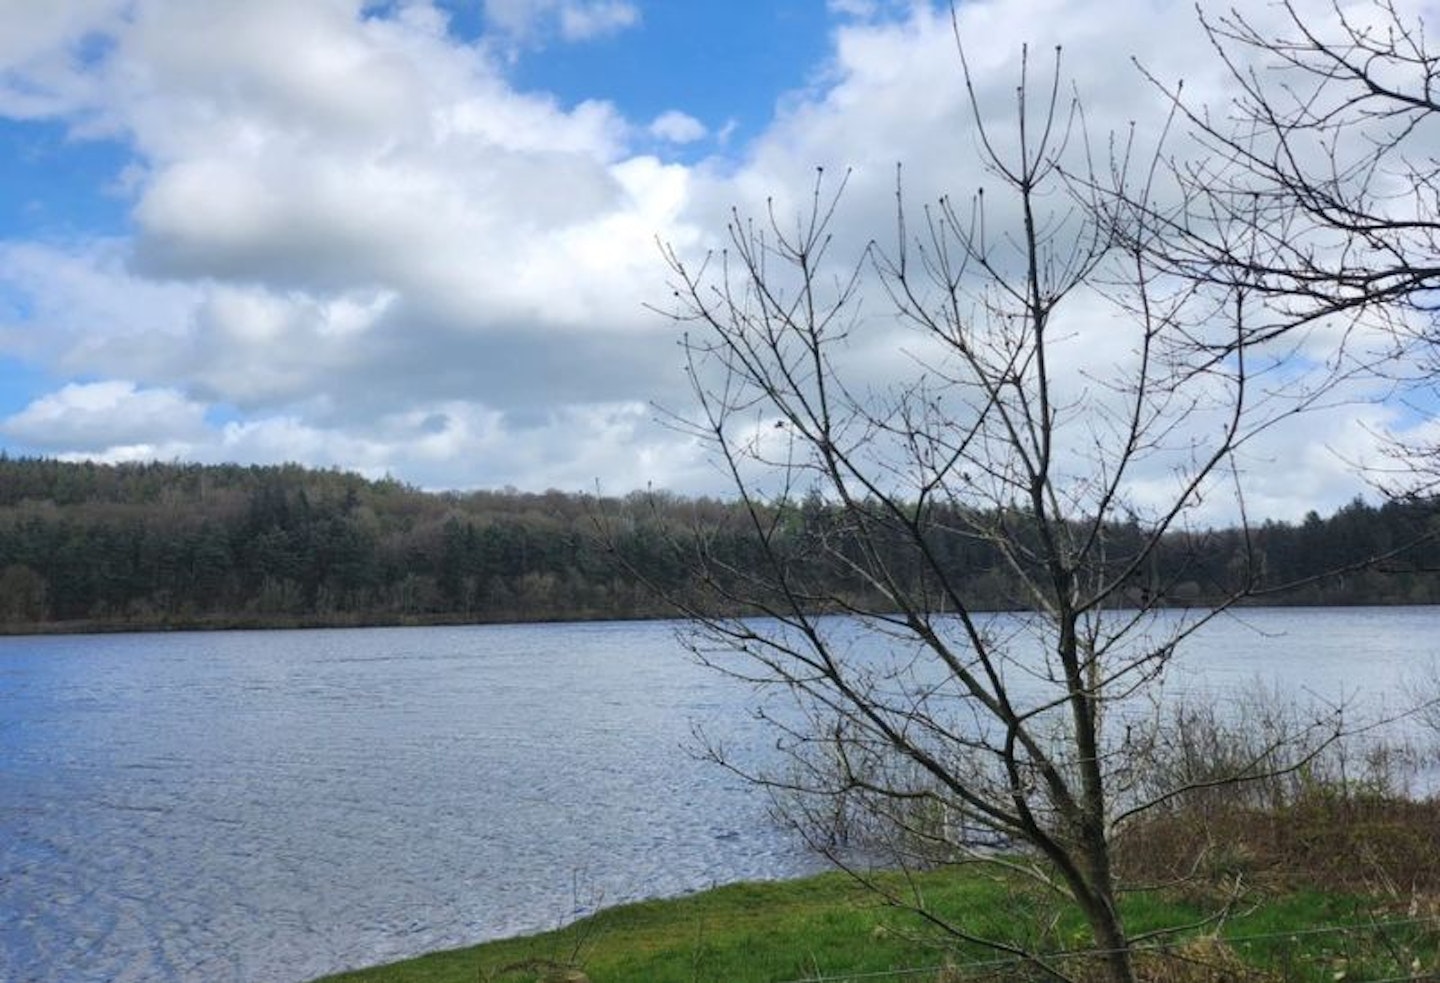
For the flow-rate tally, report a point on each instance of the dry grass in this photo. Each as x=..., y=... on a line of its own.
x=1205, y=959
x=1327, y=840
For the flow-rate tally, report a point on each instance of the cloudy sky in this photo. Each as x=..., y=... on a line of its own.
x=419, y=237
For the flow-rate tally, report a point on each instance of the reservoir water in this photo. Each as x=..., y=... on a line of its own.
x=273, y=806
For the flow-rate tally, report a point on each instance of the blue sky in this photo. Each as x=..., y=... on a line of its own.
x=419, y=237
x=722, y=62
x=53, y=186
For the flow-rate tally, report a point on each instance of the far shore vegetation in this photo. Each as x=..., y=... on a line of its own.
x=96, y=547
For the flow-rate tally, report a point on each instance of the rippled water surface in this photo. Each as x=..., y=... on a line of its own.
x=277, y=805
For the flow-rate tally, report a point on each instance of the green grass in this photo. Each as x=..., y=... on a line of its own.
x=743, y=932
x=828, y=925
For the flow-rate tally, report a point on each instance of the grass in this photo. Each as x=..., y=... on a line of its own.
x=743, y=932
x=829, y=926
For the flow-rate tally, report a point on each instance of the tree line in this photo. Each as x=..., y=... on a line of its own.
x=155, y=544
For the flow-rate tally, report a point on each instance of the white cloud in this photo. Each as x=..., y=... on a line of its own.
x=446, y=445
x=40, y=32
x=853, y=8
x=583, y=21
x=43, y=61
x=575, y=20
x=69, y=302
x=95, y=417
x=677, y=127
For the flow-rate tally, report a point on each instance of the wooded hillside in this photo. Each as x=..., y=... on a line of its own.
x=148, y=545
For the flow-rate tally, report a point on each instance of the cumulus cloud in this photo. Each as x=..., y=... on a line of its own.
x=478, y=213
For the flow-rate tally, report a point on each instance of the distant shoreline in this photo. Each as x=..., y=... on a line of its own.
x=104, y=626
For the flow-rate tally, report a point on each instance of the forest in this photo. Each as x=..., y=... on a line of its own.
x=86, y=546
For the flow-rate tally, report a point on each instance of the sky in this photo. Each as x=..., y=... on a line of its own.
x=419, y=238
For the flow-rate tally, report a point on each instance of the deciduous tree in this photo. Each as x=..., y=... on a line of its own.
x=1070, y=407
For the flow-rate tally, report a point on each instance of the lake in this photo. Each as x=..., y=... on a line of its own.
x=278, y=805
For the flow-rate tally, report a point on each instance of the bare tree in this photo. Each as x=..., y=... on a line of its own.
x=1317, y=186
x=1069, y=408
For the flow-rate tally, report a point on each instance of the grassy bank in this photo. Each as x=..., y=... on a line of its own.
x=827, y=927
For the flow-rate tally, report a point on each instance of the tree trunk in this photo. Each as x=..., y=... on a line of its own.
x=1110, y=940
